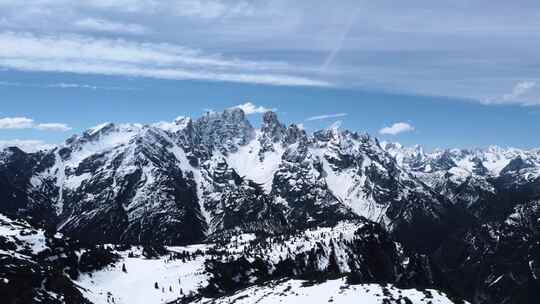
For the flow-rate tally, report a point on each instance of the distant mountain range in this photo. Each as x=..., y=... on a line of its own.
x=465, y=222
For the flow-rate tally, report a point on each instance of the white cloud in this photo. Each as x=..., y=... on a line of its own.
x=397, y=128
x=27, y=145
x=211, y=9
x=326, y=116
x=102, y=25
x=53, y=127
x=28, y=123
x=16, y=123
x=519, y=90
x=523, y=93
x=85, y=55
x=204, y=9
x=64, y=85
x=148, y=6
x=250, y=108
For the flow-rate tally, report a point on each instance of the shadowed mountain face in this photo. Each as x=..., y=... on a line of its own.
x=216, y=176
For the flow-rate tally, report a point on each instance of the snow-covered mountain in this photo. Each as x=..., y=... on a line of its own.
x=187, y=182
x=490, y=161
x=483, y=180
x=376, y=212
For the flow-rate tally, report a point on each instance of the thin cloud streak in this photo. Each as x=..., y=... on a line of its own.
x=339, y=45
x=102, y=25
x=64, y=85
x=325, y=116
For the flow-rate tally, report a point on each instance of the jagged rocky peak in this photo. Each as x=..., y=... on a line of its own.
x=180, y=123
x=365, y=139
x=443, y=160
x=272, y=132
x=100, y=129
x=271, y=127
x=333, y=132
x=92, y=133
x=224, y=131
x=183, y=121
x=515, y=165
x=339, y=146
x=401, y=152
x=322, y=136
x=294, y=134
x=478, y=167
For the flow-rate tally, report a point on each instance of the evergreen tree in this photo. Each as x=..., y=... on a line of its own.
x=333, y=266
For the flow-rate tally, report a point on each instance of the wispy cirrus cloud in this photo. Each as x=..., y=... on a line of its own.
x=412, y=52
x=211, y=9
x=326, y=116
x=87, y=55
x=103, y=25
x=397, y=128
x=28, y=123
x=64, y=85
x=250, y=108
x=206, y=9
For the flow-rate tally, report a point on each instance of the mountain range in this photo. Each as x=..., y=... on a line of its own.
x=271, y=207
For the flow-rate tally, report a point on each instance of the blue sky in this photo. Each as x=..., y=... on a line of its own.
x=460, y=74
